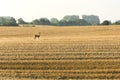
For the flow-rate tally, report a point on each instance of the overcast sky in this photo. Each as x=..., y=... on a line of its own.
x=35, y=9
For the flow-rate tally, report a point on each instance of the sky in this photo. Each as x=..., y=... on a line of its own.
x=36, y=9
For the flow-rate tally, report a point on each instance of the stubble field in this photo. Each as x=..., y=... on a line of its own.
x=90, y=52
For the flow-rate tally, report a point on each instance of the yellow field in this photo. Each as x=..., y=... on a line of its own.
x=90, y=52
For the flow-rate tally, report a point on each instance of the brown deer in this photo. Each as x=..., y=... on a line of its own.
x=37, y=35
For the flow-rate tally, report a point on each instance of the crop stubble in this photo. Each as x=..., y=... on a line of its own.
x=60, y=53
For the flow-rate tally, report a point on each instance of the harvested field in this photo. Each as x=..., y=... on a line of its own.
x=90, y=52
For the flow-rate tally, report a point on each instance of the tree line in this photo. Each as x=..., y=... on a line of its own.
x=68, y=20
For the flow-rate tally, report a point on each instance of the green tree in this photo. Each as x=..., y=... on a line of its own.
x=54, y=21
x=92, y=19
x=11, y=21
x=44, y=21
x=7, y=21
x=117, y=22
x=2, y=21
x=21, y=21
x=72, y=20
x=36, y=22
x=106, y=22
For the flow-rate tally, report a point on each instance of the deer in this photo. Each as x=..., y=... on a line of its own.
x=37, y=35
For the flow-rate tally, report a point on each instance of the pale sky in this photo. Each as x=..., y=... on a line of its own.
x=35, y=9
